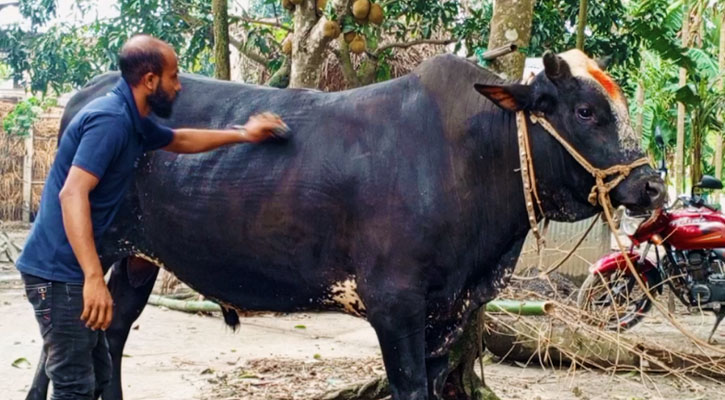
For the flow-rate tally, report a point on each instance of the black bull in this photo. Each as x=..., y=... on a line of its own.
x=400, y=202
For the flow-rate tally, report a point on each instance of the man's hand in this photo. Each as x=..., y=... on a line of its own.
x=263, y=126
x=258, y=129
x=97, y=304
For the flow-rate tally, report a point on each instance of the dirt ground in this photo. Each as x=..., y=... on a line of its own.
x=173, y=355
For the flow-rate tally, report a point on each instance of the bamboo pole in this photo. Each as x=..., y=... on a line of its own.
x=520, y=307
x=184, y=305
x=721, y=86
x=28, y=176
x=581, y=24
x=680, y=146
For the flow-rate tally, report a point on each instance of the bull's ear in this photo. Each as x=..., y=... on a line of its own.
x=509, y=97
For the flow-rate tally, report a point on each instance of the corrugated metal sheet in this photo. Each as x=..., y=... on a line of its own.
x=559, y=241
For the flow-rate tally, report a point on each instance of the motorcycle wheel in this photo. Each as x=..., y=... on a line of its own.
x=614, y=300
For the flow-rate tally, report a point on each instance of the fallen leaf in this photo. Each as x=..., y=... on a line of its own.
x=21, y=363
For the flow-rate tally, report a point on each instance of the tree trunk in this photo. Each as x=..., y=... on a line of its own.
x=309, y=44
x=680, y=145
x=222, y=68
x=306, y=54
x=696, y=166
x=581, y=24
x=697, y=131
x=721, y=85
x=639, y=120
x=511, y=22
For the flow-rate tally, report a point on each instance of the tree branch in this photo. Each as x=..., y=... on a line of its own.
x=405, y=45
x=280, y=79
x=183, y=13
x=259, y=59
x=348, y=71
x=235, y=19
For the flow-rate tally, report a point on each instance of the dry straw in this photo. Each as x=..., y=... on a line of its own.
x=572, y=337
x=12, y=151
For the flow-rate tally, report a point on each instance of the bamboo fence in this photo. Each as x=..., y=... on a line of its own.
x=12, y=152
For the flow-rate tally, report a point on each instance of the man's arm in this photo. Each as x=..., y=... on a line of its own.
x=257, y=129
x=76, y=209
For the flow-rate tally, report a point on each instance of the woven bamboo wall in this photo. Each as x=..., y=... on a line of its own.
x=12, y=150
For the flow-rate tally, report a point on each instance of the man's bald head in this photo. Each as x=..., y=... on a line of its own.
x=143, y=54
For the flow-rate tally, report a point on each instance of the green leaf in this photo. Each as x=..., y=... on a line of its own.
x=300, y=327
x=687, y=95
x=21, y=363
x=704, y=63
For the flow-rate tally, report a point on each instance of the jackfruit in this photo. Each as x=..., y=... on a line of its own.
x=331, y=29
x=357, y=45
x=361, y=9
x=376, y=14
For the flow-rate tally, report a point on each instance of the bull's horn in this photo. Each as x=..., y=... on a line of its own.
x=555, y=67
x=551, y=65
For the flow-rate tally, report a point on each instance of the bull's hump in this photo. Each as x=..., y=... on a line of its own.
x=444, y=69
x=449, y=80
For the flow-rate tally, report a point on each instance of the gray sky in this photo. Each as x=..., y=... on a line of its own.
x=67, y=12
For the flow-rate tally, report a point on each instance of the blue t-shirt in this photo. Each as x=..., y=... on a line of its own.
x=105, y=138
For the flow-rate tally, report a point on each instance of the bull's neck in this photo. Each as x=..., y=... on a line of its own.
x=563, y=185
x=499, y=186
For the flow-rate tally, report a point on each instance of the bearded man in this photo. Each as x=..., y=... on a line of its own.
x=93, y=169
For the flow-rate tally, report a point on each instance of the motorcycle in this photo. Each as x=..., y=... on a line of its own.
x=688, y=242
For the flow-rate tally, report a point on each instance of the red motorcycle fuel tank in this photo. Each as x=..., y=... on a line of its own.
x=695, y=228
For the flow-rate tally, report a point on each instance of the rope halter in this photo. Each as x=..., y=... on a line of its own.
x=600, y=191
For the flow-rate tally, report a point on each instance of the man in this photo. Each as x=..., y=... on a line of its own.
x=84, y=189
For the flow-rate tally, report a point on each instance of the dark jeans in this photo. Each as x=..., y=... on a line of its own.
x=75, y=358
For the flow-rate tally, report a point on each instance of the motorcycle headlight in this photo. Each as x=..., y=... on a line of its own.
x=630, y=223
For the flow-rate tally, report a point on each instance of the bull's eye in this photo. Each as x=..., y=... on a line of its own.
x=584, y=113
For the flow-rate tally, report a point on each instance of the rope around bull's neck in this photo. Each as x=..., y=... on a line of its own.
x=528, y=177
x=598, y=195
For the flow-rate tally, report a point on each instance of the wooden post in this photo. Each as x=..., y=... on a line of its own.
x=721, y=87
x=28, y=176
x=680, y=145
x=581, y=24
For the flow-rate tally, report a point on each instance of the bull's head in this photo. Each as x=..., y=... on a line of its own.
x=589, y=111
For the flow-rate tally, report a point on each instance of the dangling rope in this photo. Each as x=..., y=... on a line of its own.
x=599, y=194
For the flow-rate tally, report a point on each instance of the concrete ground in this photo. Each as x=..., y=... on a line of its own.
x=173, y=355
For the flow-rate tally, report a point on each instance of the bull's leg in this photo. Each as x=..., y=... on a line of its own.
x=399, y=321
x=437, y=370
x=131, y=282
